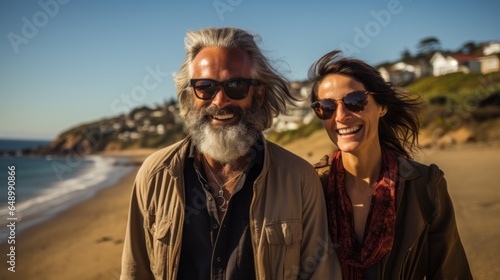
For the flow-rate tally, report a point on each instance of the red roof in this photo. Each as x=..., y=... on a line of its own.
x=466, y=57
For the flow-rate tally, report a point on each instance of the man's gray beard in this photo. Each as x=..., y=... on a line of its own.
x=225, y=143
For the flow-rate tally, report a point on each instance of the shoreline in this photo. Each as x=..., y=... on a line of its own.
x=106, y=171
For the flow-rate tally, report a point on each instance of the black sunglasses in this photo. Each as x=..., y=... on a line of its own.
x=354, y=101
x=236, y=88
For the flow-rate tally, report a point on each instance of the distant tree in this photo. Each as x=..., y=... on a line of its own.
x=171, y=101
x=428, y=46
x=469, y=47
x=406, y=55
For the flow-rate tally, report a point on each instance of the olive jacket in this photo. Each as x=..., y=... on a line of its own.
x=288, y=221
x=427, y=243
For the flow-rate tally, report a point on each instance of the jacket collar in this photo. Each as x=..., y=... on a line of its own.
x=406, y=169
x=174, y=161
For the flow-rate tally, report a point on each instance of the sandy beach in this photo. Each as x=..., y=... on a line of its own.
x=85, y=242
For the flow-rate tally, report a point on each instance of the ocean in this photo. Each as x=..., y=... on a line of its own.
x=44, y=186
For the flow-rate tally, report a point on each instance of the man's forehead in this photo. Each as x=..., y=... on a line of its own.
x=216, y=55
x=221, y=63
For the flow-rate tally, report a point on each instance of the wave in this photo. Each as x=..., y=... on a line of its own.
x=100, y=173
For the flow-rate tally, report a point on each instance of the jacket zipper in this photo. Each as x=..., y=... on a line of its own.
x=404, y=264
x=382, y=266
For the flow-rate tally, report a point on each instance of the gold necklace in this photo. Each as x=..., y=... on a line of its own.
x=221, y=201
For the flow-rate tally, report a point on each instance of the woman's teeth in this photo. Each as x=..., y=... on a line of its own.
x=348, y=130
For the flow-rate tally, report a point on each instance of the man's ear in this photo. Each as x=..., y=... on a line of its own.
x=261, y=95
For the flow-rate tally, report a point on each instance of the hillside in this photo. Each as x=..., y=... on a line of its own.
x=460, y=108
x=457, y=87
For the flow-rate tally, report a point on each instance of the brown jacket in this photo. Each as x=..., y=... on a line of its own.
x=427, y=243
x=288, y=219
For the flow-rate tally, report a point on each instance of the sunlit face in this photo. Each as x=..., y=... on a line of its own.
x=223, y=128
x=221, y=64
x=352, y=132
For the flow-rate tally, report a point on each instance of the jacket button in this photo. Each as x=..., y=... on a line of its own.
x=219, y=259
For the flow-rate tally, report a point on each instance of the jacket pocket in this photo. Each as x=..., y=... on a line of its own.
x=159, y=243
x=284, y=248
x=161, y=229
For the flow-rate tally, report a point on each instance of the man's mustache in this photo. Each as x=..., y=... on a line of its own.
x=214, y=110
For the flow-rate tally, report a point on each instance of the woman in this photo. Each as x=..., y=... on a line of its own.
x=390, y=217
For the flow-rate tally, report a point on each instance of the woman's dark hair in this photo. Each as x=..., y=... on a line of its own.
x=398, y=128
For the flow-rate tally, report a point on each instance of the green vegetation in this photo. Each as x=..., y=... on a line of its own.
x=456, y=87
x=458, y=99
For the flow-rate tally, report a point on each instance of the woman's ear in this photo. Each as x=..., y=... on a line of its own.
x=383, y=111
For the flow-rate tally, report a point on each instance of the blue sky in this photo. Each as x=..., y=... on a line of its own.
x=67, y=62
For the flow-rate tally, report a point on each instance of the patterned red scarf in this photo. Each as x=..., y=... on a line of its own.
x=379, y=235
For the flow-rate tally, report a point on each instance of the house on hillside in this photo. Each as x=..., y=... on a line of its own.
x=485, y=64
x=297, y=115
x=491, y=48
x=442, y=65
x=402, y=73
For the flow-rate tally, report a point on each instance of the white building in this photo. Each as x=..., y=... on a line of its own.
x=491, y=48
x=442, y=65
x=464, y=63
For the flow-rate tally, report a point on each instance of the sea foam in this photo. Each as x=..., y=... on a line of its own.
x=100, y=173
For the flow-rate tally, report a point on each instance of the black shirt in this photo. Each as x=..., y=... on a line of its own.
x=213, y=249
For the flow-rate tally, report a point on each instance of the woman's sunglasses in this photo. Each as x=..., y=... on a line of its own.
x=236, y=88
x=354, y=101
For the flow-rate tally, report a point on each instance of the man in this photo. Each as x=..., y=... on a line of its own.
x=224, y=203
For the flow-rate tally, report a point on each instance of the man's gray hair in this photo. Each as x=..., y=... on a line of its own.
x=276, y=86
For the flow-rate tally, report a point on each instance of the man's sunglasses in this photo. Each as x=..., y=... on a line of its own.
x=236, y=88
x=354, y=101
